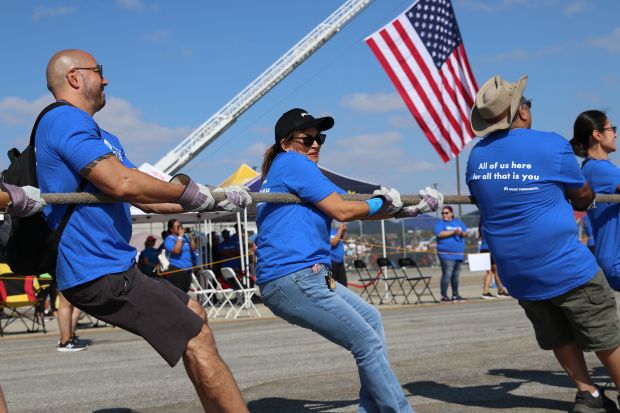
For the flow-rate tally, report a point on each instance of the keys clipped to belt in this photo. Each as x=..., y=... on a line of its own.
x=329, y=280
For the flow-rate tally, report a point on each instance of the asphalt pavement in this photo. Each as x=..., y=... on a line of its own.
x=475, y=356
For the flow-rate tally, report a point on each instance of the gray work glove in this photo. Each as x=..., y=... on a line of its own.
x=237, y=198
x=431, y=201
x=196, y=197
x=25, y=200
x=391, y=201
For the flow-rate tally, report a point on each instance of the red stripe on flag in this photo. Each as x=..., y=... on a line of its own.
x=405, y=96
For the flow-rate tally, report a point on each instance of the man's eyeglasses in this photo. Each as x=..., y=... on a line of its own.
x=527, y=102
x=613, y=128
x=96, y=69
x=309, y=140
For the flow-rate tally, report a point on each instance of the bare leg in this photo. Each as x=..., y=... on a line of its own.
x=64, y=318
x=213, y=380
x=572, y=361
x=3, y=406
x=486, y=283
x=498, y=282
x=611, y=361
x=75, y=316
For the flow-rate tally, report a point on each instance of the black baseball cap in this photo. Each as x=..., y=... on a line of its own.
x=300, y=119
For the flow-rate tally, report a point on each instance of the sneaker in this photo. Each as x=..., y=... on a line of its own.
x=488, y=296
x=76, y=340
x=458, y=298
x=445, y=300
x=586, y=403
x=70, y=346
x=503, y=294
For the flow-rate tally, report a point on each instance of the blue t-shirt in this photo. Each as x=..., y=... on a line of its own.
x=151, y=256
x=604, y=178
x=292, y=237
x=519, y=178
x=182, y=260
x=337, y=252
x=453, y=247
x=230, y=248
x=95, y=242
x=587, y=228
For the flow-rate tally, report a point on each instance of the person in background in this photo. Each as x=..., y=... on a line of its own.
x=148, y=257
x=180, y=245
x=337, y=237
x=228, y=249
x=67, y=320
x=490, y=274
x=526, y=183
x=588, y=233
x=451, y=234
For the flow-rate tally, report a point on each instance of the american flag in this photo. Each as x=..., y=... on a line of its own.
x=423, y=54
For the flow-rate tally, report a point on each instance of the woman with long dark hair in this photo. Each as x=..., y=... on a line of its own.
x=293, y=252
x=594, y=138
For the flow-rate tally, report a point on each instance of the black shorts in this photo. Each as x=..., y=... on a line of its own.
x=339, y=272
x=152, y=308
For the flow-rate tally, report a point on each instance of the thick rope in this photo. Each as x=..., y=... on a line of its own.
x=276, y=198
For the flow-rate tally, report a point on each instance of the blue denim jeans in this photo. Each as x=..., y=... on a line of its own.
x=342, y=317
x=450, y=272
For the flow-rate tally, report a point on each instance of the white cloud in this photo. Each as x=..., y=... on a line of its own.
x=42, y=12
x=131, y=4
x=158, y=36
x=520, y=55
x=575, y=7
x=611, y=42
x=16, y=111
x=373, y=102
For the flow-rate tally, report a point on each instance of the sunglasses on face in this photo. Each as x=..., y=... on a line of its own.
x=445, y=212
x=613, y=128
x=96, y=69
x=309, y=140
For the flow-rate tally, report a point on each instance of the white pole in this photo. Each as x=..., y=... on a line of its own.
x=247, y=247
x=240, y=238
x=210, y=238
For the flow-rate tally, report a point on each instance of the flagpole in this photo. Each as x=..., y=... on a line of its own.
x=458, y=183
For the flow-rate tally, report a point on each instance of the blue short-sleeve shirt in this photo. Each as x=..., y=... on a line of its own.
x=453, y=247
x=95, y=242
x=182, y=260
x=337, y=252
x=604, y=178
x=292, y=237
x=519, y=178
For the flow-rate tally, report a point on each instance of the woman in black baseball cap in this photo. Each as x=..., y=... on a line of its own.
x=293, y=254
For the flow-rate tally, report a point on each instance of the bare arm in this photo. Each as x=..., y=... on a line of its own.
x=341, y=210
x=580, y=198
x=337, y=238
x=167, y=208
x=113, y=178
x=447, y=233
x=4, y=200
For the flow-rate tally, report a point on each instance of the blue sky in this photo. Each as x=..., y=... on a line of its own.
x=171, y=65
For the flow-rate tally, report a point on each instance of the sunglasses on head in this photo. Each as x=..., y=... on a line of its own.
x=309, y=140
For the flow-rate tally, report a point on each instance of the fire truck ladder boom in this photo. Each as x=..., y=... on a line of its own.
x=191, y=146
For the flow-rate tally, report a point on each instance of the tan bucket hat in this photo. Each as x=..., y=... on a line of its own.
x=496, y=105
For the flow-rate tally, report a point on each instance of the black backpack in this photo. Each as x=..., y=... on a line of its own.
x=32, y=247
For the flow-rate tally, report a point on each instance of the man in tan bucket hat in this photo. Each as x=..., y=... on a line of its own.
x=526, y=183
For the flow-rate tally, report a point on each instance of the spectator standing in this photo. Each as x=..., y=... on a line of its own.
x=229, y=251
x=490, y=274
x=451, y=234
x=524, y=182
x=67, y=320
x=148, y=257
x=594, y=138
x=337, y=238
x=179, y=246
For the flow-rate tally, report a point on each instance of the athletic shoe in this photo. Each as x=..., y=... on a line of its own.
x=445, y=300
x=458, y=298
x=70, y=346
x=503, y=294
x=586, y=403
x=488, y=296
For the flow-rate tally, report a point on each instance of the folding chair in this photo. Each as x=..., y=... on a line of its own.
x=18, y=294
x=244, y=294
x=396, y=284
x=369, y=284
x=212, y=296
x=407, y=263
